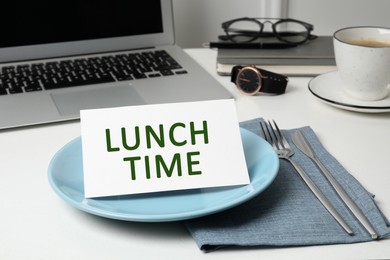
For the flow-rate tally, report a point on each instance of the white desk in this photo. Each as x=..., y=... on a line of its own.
x=36, y=224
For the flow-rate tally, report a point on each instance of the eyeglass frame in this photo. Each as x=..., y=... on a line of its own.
x=309, y=27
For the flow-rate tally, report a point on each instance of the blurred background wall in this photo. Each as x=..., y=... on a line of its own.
x=199, y=21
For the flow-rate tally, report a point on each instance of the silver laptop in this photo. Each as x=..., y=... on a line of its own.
x=58, y=57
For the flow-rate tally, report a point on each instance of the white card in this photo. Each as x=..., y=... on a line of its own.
x=153, y=148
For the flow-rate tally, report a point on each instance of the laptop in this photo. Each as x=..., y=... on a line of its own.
x=58, y=57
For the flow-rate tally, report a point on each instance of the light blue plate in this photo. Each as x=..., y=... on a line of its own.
x=66, y=178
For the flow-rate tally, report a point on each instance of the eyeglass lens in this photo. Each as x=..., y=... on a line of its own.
x=291, y=32
x=250, y=30
x=244, y=31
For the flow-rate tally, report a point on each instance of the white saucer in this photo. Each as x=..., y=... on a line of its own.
x=328, y=88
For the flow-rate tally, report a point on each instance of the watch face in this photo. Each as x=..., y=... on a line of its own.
x=248, y=81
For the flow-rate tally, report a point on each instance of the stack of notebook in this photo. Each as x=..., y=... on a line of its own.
x=312, y=58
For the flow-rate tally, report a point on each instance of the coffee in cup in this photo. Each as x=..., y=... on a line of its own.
x=370, y=42
x=363, y=61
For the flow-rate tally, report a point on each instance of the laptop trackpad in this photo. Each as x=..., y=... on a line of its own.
x=70, y=103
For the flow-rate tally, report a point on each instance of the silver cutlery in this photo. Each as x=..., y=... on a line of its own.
x=273, y=135
x=300, y=141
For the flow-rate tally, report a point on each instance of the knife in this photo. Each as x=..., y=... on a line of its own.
x=300, y=141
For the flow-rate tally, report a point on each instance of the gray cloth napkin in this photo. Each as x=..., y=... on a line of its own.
x=287, y=213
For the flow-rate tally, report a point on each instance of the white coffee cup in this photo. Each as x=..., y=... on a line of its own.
x=363, y=61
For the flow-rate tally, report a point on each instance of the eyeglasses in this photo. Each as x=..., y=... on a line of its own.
x=246, y=30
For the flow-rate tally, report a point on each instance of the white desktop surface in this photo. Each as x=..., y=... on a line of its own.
x=36, y=224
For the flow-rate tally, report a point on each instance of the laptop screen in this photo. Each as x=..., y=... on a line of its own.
x=39, y=28
x=48, y=21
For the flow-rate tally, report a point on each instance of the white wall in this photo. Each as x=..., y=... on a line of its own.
x=199, y=21
x=330, y=15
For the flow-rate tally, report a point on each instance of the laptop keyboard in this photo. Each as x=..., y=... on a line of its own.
x=84, y=71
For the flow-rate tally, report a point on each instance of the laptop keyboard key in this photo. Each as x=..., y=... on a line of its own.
x=166, y=72
x=3, y=91
x=139, y=76
x=15, y=90
x=154, y=75
x=33, y=87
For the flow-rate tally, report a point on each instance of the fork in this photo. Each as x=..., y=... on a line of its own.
x=274, y=136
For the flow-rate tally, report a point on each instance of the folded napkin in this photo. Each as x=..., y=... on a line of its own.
x=287, y=213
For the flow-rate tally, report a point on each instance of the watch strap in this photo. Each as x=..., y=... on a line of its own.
x=235, y=70
x=273, y=82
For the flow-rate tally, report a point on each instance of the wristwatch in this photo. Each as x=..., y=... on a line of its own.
x=251, y=80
